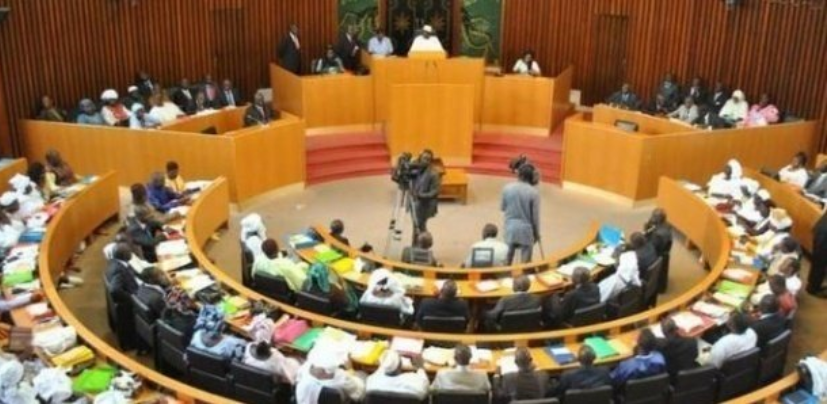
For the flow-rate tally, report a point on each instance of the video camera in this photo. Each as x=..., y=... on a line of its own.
x=406, y=170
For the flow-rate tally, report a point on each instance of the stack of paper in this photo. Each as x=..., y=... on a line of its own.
x=486, y=286
x=730, y=300
x=568, y=268
x=693, y=188
x=552, y=279
x=343, y=266
x=481, y=356
x=711, y=310
x=688, y=321
x=439, y=356
x=561, y=355
x=301, y=241
x=507, y=364
x=407, y=346
x=739, y=275
x=38, y=310
x=367, y=352
x=601, y=347
x=173, y=254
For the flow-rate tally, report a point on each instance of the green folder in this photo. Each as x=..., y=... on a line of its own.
x=734, y=289
x=305, y=342
x=16, y=278
x=328, y=256
x=601, y=347
x=94, y=381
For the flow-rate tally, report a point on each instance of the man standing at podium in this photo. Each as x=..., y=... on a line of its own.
x=427, y=41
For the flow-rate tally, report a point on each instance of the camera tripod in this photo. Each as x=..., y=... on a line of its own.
x=404, y=203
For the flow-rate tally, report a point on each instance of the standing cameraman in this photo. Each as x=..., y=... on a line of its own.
x=520, y=205
x=425, y=190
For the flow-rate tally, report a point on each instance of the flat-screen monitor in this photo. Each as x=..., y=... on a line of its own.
x=626, y=126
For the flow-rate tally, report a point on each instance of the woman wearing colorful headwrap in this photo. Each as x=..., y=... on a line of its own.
x=320, y=283
x=179, y=311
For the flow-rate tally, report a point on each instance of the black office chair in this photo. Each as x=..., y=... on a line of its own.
x=773, y=358
x=273, y=287
x=171, y=346
x=588, y=316
x=627, y=303
x=537, y=402
x=695, y=386
x=208, y=372
x=651, y=390
x=330, y=396
x=378, y=397
x=482, y=258
x=443, y=324
x=521, y=321
x=314, y=303
x=664, y=280
x=379, y=315
x=121, y=313
x=601, y=395
x=254, y=386
x=460, y=397
x=652, y=283
x=144, y=322
x=739, y=375
x=247, y=261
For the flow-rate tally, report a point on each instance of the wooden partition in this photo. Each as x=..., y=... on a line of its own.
x=629, y=165
x=287, y=91
x=223, y=121
x=520, y=103
x=434, y=116
x=14, y=167
x=76, y=220
x=563, y=84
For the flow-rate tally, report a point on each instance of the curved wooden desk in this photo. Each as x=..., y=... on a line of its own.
x=771, y=394
x=211, y=211
x=16, y=166
x=803, y=211
x=78, y=218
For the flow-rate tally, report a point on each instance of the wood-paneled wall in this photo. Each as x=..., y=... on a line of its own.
x=761, y=47
x=71, y=49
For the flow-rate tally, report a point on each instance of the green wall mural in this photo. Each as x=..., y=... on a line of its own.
x=362, y=13
x=481, y=33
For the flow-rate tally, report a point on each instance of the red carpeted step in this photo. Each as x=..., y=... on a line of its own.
x=342, y=156
x=354, y=154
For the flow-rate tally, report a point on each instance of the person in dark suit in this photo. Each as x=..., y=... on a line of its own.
x=698, y=92
x=338, y=232
x=658, y=232
x=587, y=376
x=520, y=300
x=625, y=98
x=212, y=92
x=817, y=274
x=259, y=113
x=145, y=233
x=144, y=82
x=425, y=191
x=121, y=278
x=770, y=323
x=679, y=352
x=447, y=305
x=645, y=251
x=348, y=48
x=660, y=106
x=670, y=90
x=290, y=51
x=229, y=95
x=421, y=254
x=710, y=119
x=184, y=97
x=526, y=384
x=151, y=291
x=719, y=97
x=585, y=294
x=817, y=184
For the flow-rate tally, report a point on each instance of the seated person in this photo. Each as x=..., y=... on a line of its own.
x=320, y=283
x=160, y=196
x=816, y=188
x=230, y=97
x=216, y=343
x=645, y=251
x=380, y=45
x=680, y=353
x=179, y=311
x=735, y=109
x=786, y=250
x=796, y=174
x=670, y=89
x=586, y=377
x=133, y=97
x=139, y=119
x=447, y=305
x=263, y=356
x=140, y=205
x=253, y=234
x=698, y=92
x=520, y=300
x=585, y=293
x=113, y=111
x=58, y=172
x=709, y=119
x=259, y=113
x=420, y=254
x=330, y=64
x=173, y=180
x=163, y=109
x=120, y=276
x=146, y=233
x=10, y=232
x=647, y=361
x=660, y=106
x=184, y=97
x=10, y=204
x=762, y=114
x=728, y=183
x=740, y=339
x=688, y=112
x=786, y=301
x=47, y=111
x=462, y=377
x=272, y=263
x=626, y=275
x=37, y=174
x=625, y=98
x=202, y=105
x=426, y=41
x=718, y=98
x=658, y=232
x=489, y=243
x=768, y=323
x=338, y=232
x=526, y=384
x=88, y=114
x=152, y=290
x=526, y=65
x=18, y=301
x=391, y=378
x=384, y=290
x=322, y=370
x=30, y=198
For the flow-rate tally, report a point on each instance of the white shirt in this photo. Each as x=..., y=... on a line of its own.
x=522, y=68
x=422, y=44
x=396, y=300
x=730, y=346
x=166, y=113
x=797, y=178
x=684, y=114
x=461, y=379
x=414, y=384
x=500, y=251
x=309, y=387
x=14, y=303
x=277, y=363
x=149, y=121
x=379, y=47
x=734, y=111
x=9, y=236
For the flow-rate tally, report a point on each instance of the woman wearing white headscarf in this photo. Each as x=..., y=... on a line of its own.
x=385, y=290
x=322, y=370
x=253, y=233
x=627, y=274
x=29, y=197
x=728, y=183
x=736, y=109
x=390, y=378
